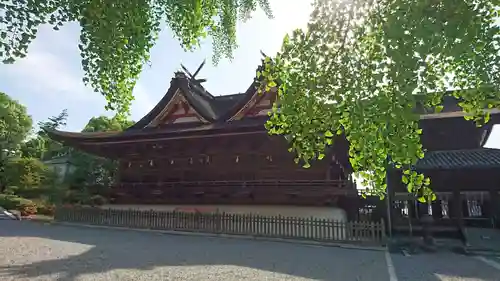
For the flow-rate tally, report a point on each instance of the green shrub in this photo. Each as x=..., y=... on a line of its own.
x=26, y=172
x=11, y=190
x=30, y=192
x=46, y=209
x=12, y=202
x=97, y=200
x=76, y=197
x=56, y=193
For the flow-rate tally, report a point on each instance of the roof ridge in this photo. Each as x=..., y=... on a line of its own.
x=464, y=150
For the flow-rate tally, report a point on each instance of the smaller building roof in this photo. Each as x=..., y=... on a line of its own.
x=62, y=159
x=481, y=158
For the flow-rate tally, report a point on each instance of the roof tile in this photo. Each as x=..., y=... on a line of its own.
x=461, y=159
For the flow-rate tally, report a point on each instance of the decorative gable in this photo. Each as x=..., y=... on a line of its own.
x=258, y=105
x=178, y=110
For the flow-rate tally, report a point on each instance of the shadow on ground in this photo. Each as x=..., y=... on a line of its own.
x=122, y=249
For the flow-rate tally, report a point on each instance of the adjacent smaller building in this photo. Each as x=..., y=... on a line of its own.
x=467, y=186
x=61, y=165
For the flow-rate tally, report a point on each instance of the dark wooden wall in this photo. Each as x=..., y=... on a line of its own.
x=454, y=133
x=450, y=180
x=232, y=158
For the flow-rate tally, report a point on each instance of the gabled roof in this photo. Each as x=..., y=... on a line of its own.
x=481, y=158
x=213, y=109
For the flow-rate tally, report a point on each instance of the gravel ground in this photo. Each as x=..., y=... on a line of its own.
x=33, y=251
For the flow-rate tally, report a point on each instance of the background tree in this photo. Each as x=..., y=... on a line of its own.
x=41, y=146
x=95, y=175
x=356, y=68
x=15, y=125
x=27, y=177
x=117, y=35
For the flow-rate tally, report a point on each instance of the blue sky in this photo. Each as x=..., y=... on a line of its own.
x=49, y=80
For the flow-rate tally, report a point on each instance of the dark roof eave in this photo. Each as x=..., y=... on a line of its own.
x=470, y=159
x=154, y=134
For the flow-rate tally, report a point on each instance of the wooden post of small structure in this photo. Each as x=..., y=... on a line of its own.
x=409, y=204
x=389, y=204
x=458, y=212
x=494, y=207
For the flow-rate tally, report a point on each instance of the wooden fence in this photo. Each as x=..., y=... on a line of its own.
x=324, y=230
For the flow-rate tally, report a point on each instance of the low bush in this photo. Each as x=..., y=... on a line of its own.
x=12, y=202
x=47, y=210
x=74, y=197
x=97, y=200
x=28, y=210
x=44, y=207
x=11, y=190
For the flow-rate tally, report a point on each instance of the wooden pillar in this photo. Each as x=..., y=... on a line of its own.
x=389, y=203
x=465, y=207
x=486, y=208
x=412, y=210
x=423, y=209
x=458, y=210
x=495, y=207
x=437, y=209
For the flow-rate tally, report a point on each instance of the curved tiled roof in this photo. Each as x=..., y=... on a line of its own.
x=461, y=159
x=211, y=108
x=173, y=130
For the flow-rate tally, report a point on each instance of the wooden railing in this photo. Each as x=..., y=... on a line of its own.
x=324, y=230
x=329, y=186
x=241, y=192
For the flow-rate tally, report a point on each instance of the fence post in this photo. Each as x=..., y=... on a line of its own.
x=218, y=221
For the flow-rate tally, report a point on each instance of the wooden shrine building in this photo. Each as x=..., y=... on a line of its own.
x=213, y=152
x=194, y=148
x=464, y=175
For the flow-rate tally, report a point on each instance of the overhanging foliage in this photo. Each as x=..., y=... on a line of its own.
x=117, y=35
x=356, y=67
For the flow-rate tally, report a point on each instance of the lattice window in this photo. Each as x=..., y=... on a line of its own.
x=474, y=208
x=445, y=209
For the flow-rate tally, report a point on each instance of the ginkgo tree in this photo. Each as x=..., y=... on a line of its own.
x=357, y=67
x=117, y=35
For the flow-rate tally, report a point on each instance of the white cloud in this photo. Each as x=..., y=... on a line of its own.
x=52, y=73
x=49, y=74
x=49, y=79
